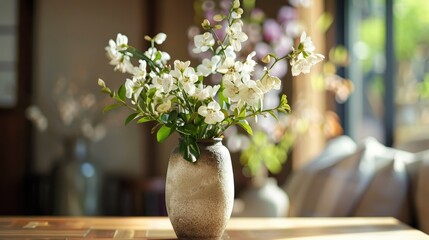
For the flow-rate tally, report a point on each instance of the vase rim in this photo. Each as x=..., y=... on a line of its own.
x=209, y=140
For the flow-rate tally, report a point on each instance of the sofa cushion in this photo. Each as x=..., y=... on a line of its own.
x=302, y=187
x=422, y=192
x=347, y=184
x=346, y=180
x=387, y=193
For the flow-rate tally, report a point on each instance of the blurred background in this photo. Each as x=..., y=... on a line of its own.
x=61, y=155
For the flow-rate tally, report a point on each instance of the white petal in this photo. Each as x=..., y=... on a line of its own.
x=160, y=38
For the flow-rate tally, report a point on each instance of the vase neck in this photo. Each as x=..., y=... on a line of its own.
x=210, y=141
x=76, y=148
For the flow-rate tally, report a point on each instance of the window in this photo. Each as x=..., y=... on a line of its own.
x=388, y=41
x=366, y=42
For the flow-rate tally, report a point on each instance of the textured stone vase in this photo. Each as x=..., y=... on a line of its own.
x=199, y=196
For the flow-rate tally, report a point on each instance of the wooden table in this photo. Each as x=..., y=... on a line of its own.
x=238, y=228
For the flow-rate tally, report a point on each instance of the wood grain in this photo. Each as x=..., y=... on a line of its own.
x=238, y=228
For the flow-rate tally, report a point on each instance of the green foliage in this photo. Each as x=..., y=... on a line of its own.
x=130, y=118
x=423, y=88
x=189, y=149
x=411, y=27
x=263, y=151
x=163, y=133
x=245, y=125
x=111, y=107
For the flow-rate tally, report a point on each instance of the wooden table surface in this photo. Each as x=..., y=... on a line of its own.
x=238, y=228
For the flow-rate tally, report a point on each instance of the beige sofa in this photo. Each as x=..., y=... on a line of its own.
x=364, y=179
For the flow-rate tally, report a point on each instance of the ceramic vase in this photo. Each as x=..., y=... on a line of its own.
x=264, y=200
x=199, y=196
x=77, y=181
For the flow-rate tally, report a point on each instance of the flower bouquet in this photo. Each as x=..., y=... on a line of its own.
x=177, y=97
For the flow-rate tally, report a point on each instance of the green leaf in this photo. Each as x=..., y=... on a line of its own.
x=130, y=118
x=158, y=55
x=283, y=106
x=122, y=92
x=110, y=107
x=194, y=117
x=245, y=125
x=163, y=133
x=189, y=149
x=144, y=119
x=143, y=57
x=222, y=99
x=191, y=129
x=242, y=114
x=172, y=116
x=225, y=113
x=271, y=112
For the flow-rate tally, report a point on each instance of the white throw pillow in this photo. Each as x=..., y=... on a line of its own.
x=301, y=186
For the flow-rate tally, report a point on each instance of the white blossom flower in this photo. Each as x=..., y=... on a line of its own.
x=307, y=43
x=160, y=38
x=168, y=83
x=248, y=67
x=165, y=57
x=152, y=53
x=203, y=42
x=236, y=36
x=236, y=14
x=133, y=88
x=211, y=113
x=181, y=66
x=303, y=64
x=269, y=82
x=250, y=93
x=187, y=79
x=231, y=90
x=164, y=107
x=230, y=69
x=203, y=93
x=304, y=58
x=139, y=73
x=120, y=60
x=129, y=88
x=120, y=44
x=228, y=51
x=164, y=84
x=208, y=66
x=101, y=83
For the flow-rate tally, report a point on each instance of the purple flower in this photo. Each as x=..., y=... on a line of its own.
x=272, y=31
x=262, y=49
x=225, y=4
x=284, y=46
x=286, y=14
x=208, y=6
x=280, y=69
x=209, y=16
